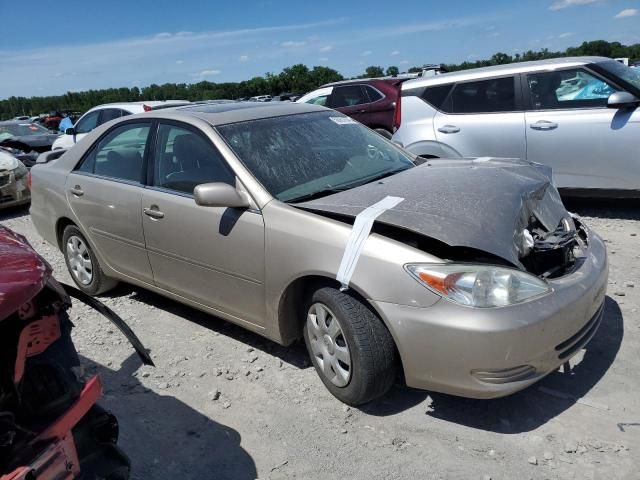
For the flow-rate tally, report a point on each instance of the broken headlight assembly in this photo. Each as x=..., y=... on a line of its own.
x=480, y=286
x=20, y=171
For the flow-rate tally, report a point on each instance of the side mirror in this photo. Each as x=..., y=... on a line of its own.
x=220, y=195
x=70, y=131
x=622, y=100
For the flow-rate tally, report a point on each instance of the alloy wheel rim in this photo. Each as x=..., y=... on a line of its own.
x=329, y=345
x=79, y=259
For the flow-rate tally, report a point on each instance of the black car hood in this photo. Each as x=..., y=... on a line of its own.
x=39, y=143
x=483, y=204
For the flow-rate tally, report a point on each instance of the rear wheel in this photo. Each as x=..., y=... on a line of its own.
x=351, y=349
x=83, y=264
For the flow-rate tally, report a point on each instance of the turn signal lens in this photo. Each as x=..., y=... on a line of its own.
x=481, y=286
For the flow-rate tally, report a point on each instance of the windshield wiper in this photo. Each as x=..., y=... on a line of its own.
x=319, y=194
x=380, y=176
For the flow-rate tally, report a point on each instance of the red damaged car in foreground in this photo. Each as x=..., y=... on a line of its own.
x=50, y=425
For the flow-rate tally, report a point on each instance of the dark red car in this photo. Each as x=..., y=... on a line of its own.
x=370, y=101
x=50, y=425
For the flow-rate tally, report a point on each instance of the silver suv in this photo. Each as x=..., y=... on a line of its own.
x=578, y=115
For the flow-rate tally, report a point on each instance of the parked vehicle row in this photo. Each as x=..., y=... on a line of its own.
x=473, y=256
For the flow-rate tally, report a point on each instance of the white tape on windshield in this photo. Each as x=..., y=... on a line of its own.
x=359, y=234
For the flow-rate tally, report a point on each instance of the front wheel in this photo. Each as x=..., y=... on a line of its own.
x=351, y=349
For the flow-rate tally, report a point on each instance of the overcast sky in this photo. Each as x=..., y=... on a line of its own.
x=53, y=47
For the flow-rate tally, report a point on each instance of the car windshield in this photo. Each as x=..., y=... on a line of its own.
x=629, y=75
x=299, y=156
x=9, y=130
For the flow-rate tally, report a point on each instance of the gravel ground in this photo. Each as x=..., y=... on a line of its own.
x=225, y=403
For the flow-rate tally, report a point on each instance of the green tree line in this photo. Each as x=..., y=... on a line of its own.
x=297, y=78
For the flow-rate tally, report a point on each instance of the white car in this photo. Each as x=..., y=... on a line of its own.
x=104, y=113
x=578, y=115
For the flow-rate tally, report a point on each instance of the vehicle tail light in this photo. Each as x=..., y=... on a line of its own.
x=146, y=108
x=397, y=114
x=29, y=180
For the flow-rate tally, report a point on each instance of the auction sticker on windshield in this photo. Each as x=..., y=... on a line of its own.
x=343, y=120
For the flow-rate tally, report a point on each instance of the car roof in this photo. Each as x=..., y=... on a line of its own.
x=390, y=80
x=15, y=122
x=153, y=104
x=506, y=69
x=224, y=113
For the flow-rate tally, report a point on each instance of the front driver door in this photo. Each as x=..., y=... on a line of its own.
x=213, y=256
x=105, y=194
x=570, y=128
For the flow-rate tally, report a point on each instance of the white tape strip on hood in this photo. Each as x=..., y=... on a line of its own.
x=359, y=234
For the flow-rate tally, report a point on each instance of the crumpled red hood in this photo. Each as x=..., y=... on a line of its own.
x=23, y=273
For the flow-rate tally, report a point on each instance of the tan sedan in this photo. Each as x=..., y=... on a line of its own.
x=294, y=221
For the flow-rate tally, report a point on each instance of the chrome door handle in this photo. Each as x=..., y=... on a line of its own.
x=544, y=125
x=77, y=191
x=449, y=129
x=153, y=212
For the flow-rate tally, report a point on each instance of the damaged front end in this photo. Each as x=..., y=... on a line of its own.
x=500, y=212
x=51, y=426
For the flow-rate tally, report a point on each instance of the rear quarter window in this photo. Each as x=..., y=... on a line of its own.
x=436, y=95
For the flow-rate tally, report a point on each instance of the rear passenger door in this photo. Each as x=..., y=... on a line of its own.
x=210, y=255
x=352, y=101
x=105, y=194
x=481, y=118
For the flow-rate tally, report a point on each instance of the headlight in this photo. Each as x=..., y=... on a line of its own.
x=481, y=286
x=20, y=171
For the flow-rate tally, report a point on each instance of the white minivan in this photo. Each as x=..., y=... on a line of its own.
x=578, y=115
x=103, y=113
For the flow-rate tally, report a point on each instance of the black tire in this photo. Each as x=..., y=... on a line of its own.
x=371, y=347
x=99, y=283
x=385, y=133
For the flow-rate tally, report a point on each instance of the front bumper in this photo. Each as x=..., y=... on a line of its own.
x=488, y=353
x=13, y=192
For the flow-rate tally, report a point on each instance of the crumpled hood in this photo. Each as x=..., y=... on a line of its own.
x=23, y=273
x=483, y=204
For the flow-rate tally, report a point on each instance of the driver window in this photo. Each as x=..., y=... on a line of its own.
x=88, y=122
x=185, y=159
x=568, y=89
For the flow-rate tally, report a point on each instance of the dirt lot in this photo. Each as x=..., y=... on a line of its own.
x=225, y=403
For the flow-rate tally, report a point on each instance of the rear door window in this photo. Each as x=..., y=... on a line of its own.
x=436, y=95
x=374, y=95
x=347, y=96
x=568, y=89
x=109, y=114
x=483, y=96
x=185, y=159
x=119, y=155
